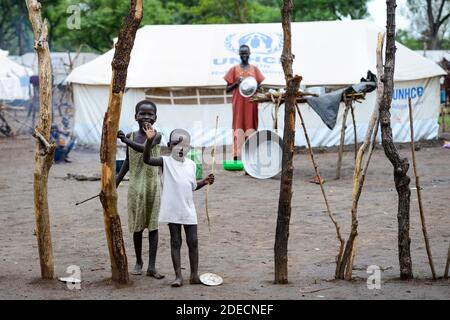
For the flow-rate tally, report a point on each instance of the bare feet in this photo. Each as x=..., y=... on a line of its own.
x=137, y=271
x=195, y=279
x=178, y=282
x=155, y=274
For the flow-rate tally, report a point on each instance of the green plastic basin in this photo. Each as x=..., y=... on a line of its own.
x=233, y=165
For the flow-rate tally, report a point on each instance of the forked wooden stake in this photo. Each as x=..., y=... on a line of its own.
x=419, y=195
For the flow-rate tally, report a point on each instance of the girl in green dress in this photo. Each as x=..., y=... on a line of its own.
x=143, y=190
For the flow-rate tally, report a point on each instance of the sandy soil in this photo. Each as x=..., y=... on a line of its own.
x=243, y=214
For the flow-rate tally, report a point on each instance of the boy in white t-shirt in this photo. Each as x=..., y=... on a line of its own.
x=177, y=198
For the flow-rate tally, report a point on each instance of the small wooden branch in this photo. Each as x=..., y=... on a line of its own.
x=419, y=194
x=316, y=169
x=316, y=290
x=277, y=107
x=42, y=140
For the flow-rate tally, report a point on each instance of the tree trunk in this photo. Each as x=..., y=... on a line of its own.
x=284, y=204
x=400, y=165
x=108, y=194
x=44, y=151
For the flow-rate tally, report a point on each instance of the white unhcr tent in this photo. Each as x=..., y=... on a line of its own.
x=14, y=79
x=181, y=69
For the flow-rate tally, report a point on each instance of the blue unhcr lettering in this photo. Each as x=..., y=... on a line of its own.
x=405, y=93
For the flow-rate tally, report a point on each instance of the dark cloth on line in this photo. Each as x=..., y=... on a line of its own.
x=327, y=105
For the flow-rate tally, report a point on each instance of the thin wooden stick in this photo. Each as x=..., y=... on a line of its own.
x=419, y=195
x=212, y=171
x=447, y=265
x=354, y=129
x=316, y=169
x=277, y=108
x=78, y=203
x=341, y=145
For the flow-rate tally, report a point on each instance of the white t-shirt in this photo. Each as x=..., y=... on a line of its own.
x=178, y=182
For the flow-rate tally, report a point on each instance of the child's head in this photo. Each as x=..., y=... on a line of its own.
x=145, y=112
x=179, y=143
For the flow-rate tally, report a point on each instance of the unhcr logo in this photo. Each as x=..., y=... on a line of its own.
x=406, y=93
x=258, y=42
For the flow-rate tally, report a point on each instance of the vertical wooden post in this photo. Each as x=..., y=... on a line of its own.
x=419, y=193
x=108, y=194
x=342, y=142
x=400, y=165
x=284, y=204
x=44, y=151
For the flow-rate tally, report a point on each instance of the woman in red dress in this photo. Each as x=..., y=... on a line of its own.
x=245, y=112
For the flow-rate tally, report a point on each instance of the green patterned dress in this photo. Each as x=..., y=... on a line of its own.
x=143, y=192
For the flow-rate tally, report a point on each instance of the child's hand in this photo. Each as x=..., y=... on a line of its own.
x=210, y=178
x=149, y=131
x=121, y=135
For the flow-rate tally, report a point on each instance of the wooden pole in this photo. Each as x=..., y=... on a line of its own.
x=213, y=166
x=108, y=194
x=284, y=204
x=342, y=142
x=316, y=169
x=44, y=150
x=400, y=165
x=419, y=194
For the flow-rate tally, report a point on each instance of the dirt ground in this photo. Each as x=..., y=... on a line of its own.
x=243, y=214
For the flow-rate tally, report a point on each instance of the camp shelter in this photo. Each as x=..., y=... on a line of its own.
x=14, y=80
x=181, y=69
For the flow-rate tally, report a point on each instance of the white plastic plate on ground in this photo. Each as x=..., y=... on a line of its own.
x=262, y=153
x=69, y=279
x=211, y=279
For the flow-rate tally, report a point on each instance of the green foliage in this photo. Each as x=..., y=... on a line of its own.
x=405, y=38
x=321, y=10
x=101, y=19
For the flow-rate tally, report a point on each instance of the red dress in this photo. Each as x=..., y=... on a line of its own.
x=245, y=112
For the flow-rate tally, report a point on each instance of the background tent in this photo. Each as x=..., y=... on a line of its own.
x=14, y=80
x=61, y=62
x=181, y=68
